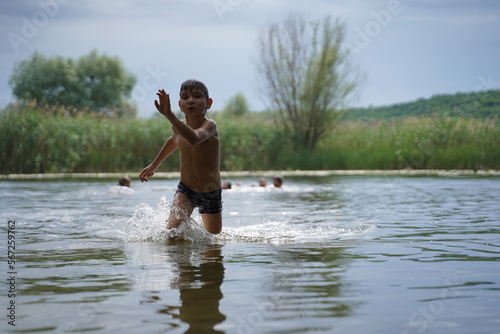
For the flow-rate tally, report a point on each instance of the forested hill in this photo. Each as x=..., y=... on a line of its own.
x=482, y=105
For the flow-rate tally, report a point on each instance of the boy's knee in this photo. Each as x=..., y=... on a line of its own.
x=215, y=230
x=212, y=222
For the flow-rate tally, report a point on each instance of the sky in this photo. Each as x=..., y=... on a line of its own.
x=403, y=49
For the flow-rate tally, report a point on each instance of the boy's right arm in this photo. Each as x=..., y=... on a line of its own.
x=167, y=149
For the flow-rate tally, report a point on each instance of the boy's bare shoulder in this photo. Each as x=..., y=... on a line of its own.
x=211, y=121
x=212, y=126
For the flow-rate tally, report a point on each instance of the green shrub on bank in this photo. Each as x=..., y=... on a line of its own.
x=48, y=141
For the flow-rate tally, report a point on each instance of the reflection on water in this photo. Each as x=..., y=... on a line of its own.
x=59, y=270
x=196, y=272
x=200, y=292
x=309, y=283
x=325, y=254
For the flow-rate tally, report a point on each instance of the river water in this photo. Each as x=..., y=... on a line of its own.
x=324, y=254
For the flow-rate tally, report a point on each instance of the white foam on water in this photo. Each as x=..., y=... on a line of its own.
x=284, y=232
x=148, y=223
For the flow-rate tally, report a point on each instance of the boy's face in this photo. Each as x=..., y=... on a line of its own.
x=193, y=102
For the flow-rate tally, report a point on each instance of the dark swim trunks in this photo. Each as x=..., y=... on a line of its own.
x=209, y=202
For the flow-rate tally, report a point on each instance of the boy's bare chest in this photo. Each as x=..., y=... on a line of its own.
x=207, y=147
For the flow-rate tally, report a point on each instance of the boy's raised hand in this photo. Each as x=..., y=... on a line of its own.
x=163, y=106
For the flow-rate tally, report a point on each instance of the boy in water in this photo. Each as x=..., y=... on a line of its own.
x=198, y=141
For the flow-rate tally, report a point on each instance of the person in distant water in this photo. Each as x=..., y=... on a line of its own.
x=123, y=187
x=278, y=181
x=262, y=182
x=227, y=185
x=124, y=181
x=197, y=139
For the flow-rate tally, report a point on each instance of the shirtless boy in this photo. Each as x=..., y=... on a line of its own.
x=198, y=141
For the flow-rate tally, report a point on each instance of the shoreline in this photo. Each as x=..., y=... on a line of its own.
x=285, y=173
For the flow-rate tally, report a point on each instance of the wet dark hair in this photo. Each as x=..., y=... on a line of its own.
x=193, y=84
x=124, y=181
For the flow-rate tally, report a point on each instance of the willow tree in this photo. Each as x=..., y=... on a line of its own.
x=306, y=76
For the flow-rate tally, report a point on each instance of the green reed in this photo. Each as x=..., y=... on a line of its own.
x=417, y=143
x=36, y=141
x=45, y=140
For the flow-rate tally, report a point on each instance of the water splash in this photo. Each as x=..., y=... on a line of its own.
x=150, y=224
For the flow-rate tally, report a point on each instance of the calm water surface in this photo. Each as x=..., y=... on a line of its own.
x=338, y=254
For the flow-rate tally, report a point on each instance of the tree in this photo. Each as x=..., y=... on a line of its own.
x=306, y=76
x=97, y=82
x=237, y=105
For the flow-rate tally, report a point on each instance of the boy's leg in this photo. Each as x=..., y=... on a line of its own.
x=212, y=222
x=180, y=210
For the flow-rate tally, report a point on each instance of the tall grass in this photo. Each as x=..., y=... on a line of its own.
x=417, y=143
x=35, y=140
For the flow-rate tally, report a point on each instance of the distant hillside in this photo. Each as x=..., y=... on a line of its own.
x=484, y=104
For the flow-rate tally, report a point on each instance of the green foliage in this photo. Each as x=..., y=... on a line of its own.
x=417, y=143
x=43, y=140
x=249, y=142
x=306, y=76
x=95, y=82
x=483, y=105
x=236, y=106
